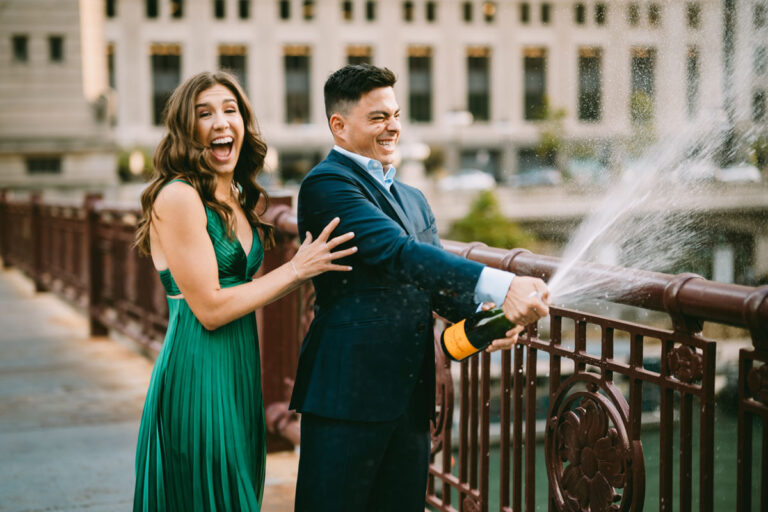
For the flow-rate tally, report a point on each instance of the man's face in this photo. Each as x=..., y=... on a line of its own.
x=370, y=127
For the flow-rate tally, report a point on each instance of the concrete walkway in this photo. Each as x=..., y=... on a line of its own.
x=70, y=407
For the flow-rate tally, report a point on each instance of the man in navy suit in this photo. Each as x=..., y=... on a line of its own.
x=366, y=375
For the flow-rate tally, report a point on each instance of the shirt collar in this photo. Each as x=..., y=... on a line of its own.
x=373, y=167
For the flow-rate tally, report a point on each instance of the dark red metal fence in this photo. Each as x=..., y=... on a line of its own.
x=566, y=381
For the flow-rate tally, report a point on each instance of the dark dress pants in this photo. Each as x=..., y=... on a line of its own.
x=350, y=466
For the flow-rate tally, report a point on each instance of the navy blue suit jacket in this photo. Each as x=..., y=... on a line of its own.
x=372, y=330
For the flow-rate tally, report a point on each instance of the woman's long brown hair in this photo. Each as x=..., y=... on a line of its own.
x=180, y=156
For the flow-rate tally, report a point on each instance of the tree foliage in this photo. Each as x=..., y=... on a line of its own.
x=485, y=223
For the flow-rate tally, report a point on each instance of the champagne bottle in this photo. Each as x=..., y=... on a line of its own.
x=474, y=333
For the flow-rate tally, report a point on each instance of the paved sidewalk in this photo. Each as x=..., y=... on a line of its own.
x=69, y=411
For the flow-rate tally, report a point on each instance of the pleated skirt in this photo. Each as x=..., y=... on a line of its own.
x=202, y=442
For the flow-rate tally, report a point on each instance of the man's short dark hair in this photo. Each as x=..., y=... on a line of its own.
x=346, y=85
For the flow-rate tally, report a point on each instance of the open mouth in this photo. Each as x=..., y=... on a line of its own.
x=222, y=147
x=388, y=144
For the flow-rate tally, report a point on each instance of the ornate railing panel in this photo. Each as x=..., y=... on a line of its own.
x=579, y=381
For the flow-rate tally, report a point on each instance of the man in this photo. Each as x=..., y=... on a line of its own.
x=365, y=380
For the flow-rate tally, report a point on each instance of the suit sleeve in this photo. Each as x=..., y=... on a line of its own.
x=381, y=241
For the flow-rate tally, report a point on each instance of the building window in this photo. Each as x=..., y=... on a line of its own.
x=758, y=106
x=489, y=11
x=761, y=60
x=297, y=91
x=20, y=48
x=284, y=8
x=479, y=83
x=44, y=165
x=546, y=13
x=654, y=15
x=111, y=66
x=151, y=8
x=359, y=54
x=693, y=78
x=535, y=83
x=218, y=9
x=466, y=11
x=370, y=10
x=693, y=14
x=233, y=58
x=642, y=98
x=525, y=13
x=580, y=14
x=407, y=11
x=177, y=8
x=56, y=48
x=346, y=10
x=166, y=75
x=308, y=10
x=760, y=12
x=111, y=8
x=420, y=84
x=431, y=11
x=590, y=84
x=244, y=9
x=633, y=14
x=601, y=14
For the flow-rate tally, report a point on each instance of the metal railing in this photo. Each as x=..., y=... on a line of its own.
x=565, y=381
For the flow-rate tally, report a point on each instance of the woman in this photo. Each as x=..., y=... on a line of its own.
x=202, y=436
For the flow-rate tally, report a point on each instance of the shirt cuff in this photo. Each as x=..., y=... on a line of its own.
x=492, y=285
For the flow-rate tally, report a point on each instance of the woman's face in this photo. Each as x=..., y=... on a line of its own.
x=219, y=126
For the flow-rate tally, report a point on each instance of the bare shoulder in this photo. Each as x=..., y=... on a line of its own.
x=178, y=202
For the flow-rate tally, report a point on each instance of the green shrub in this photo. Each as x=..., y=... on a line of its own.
x=485, y=223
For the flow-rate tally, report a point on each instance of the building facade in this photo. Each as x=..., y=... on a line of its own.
x=747, y=67
x=479, y=81
x=54, y=105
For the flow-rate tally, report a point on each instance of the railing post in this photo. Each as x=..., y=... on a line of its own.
x=96, y=327
x=4, y=226
x=36, y=233
x=279, y=335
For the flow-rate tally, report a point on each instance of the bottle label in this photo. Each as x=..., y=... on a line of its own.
x=456, y=342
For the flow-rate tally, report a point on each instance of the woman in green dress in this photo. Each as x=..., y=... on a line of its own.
x=201, y=443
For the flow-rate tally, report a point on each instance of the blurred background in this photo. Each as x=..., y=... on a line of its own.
x=519, y=116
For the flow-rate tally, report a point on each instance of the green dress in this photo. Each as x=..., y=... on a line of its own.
x=202, y=441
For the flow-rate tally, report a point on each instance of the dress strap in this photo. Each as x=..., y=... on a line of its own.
x=180, y=181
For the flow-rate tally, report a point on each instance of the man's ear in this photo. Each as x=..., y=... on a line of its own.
x=336, y=122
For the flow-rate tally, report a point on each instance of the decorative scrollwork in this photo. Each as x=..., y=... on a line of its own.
x=686, y=363
x=757, y=382
x=591, y=462
x=443, y=398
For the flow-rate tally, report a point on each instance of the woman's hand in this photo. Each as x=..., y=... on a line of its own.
x=315, y=257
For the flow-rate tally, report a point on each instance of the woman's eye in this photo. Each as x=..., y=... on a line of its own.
x=203, y=114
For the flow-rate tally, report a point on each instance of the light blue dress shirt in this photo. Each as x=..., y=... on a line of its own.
x=493, y=283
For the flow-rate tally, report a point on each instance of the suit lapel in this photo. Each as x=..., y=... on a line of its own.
x=358, y=171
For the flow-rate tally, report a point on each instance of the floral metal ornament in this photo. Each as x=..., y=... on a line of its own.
x=757, y=382
x=686, y=363
x=591, y=462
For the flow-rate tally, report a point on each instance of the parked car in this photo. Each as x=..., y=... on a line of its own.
x=537, y=177
x=467, y=179
x=738, y=173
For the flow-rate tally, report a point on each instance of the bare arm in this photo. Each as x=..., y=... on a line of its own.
x=180, y=223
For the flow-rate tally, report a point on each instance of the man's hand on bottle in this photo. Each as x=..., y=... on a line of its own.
x=527, y=300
